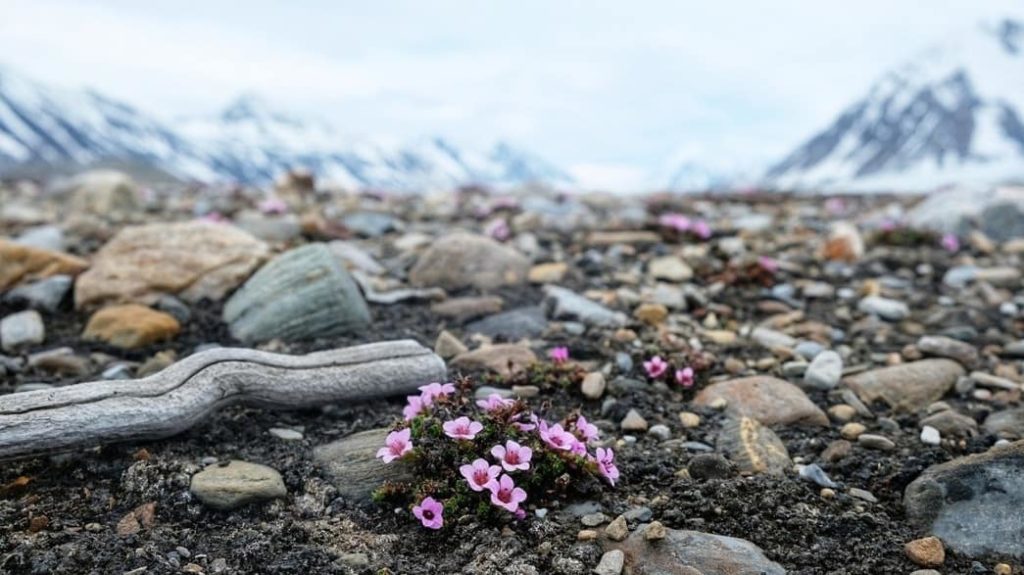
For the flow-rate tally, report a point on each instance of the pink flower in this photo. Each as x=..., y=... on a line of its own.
x=526, y=426
x=655, y=367
x=215, y=217
x=512, y=456
x=430, y=512
x=479, y=473
x=494, y=402
x=950, y=243
x=273, y=206
x=586, y=430
x=397, y=444
x=556, y=437
x=505, y=494
x=462, y=428
x=559, y=354
x=432, y=391
x=770, y=265
x=605, y=464
x=701, y=229
x=414, y=408
x=835, y=206
x=684, y=377
x=498, y=229
x=677, y=222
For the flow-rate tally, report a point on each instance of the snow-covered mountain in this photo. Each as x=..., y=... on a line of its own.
x=248, y=142
x=955, y=114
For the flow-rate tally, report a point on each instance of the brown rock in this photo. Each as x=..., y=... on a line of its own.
x=504, y=359
x=836, y=451
x=604, y=239
x=926, y=552
x=22, y=263
x=143, y=516
x=130, y=326
x=844, y=243
x=754, y=448
x=448, y=346
x=461, y=260
x=909, y=386
x=651, y=313
x=462, y=309
x=193, y=260
x=548, y=273
x=769, y=400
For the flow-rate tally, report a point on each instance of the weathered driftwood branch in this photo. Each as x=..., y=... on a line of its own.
x=185, y=393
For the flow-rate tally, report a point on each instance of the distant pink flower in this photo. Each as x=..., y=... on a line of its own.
x=655, y=367
x=950, y=243
x=835, y=206
x=556, y=437
x=605, y=460
x=770, y=265
x=494, y=402
x=512, y=456
x=559, y=354
x=397, y=444
x=414, y=408
x=520, y=514
x=677, y=222
x=430, y=512
x=505, y=494
x=889, y=224
x=701, y=229
x=587, y=431
x=432, y=391
x=462, y=428
x=273, y=206
x=498, y=229
x=684, y=377
x=479, y=473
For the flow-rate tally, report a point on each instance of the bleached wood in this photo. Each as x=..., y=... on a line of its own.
x=187, y=392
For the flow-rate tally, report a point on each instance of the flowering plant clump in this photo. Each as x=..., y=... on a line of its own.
x=491, y=457
x=682, y=226
x=897, y=234
x=683, y=372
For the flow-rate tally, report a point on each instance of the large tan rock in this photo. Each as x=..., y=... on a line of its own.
x=907, y=387
x=462, y=260
x=22, y=263
x=769, y=400
x=193, y=260
x=129, y=326
x=504, y=359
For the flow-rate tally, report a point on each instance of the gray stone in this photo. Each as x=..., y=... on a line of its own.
x=1015, y=349
x=277, y=228
x=512, y=325
x=769, y=400
x=353, y=467
x=704, y=466
x=237, y=483
x=42, y=237
x=1006, y=424
x=942, y=346
x=907, y=387
x=611, y=563
x=816, y=475
x=21, y=329
x=370, y=224
x=808, y=349
x=885, y=308
x=772, y=338
x=825, y=371
x=593, y=385
x=463, y=309
x=872, y=441
x=973, y=503
x=562, y=303
x=681, y=552
x=952, y=424
x=301, y=294
x=462, y=260
x=173, y=307
x=46, y=294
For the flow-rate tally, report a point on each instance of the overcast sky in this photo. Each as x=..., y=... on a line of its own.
x=616, y=92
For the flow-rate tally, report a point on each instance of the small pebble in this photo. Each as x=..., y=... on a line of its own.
x=617, y=530
x=660, y=431
x=930, y=435
x=633, y=421
x=655, y=531
x=879, y=442
x=611, y=563
x=689, y=420
x=926, y=552
x=852, y=430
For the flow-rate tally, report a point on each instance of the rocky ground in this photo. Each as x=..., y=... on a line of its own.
x=856, y=405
